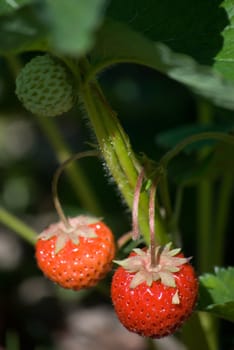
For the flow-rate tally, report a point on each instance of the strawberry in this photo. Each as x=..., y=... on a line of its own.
x=77, y=256
x=154, y=301
x=45, y=86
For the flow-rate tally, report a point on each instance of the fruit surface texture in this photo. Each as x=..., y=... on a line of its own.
x=154, y=303
x=76, y=257
x=44, y=86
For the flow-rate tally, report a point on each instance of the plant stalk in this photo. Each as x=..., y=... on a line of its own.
x=17, y=225
x=205, y=199
x=222, y=213
x=205, y=212
x=197, y=333
x=57, y=174
x=152, y=195
x=74, y=171
x=117, y=153
x=135, y=205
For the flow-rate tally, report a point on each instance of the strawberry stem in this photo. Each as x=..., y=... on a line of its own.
x=152, y=223
x=75, y=174
x=115, y=148
x=135, y=207
x=58, y=172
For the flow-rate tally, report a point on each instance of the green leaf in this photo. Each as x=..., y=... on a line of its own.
x=67, y=27
x=169, y=139
x=223, y=160
x=202, y=29
x=190, y=27
x=22, y=30
x=117, y=42
x=8, y=6
x=73, y=24
x=188, y=171
x=217, y=293
x=224, y=59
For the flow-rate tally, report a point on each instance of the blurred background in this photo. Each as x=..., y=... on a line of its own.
x=154, y=111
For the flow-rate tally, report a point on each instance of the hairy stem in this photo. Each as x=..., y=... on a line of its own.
x=117, y=152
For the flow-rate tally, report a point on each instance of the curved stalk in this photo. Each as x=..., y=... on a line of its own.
x=74, y=172
x=219, y=136
x=56, y=177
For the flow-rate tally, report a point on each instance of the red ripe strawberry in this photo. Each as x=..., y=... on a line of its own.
x=154, y=301
x=76, y=257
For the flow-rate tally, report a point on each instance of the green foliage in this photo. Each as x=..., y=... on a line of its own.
x=217, y=293
x=117, y=43
x=223, y=160
x=73, y=23
x=190, y=168
x=190, y=42
x=176, y=24
x=201, y=29
x=7, y=7
x=183, y=42
x=170, y=138
x=22, y=30
x=64, y=26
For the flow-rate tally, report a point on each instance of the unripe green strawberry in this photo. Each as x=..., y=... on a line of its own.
x=45, y=86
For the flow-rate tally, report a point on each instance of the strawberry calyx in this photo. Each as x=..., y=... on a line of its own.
x=78, y=227
x=167, y=263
